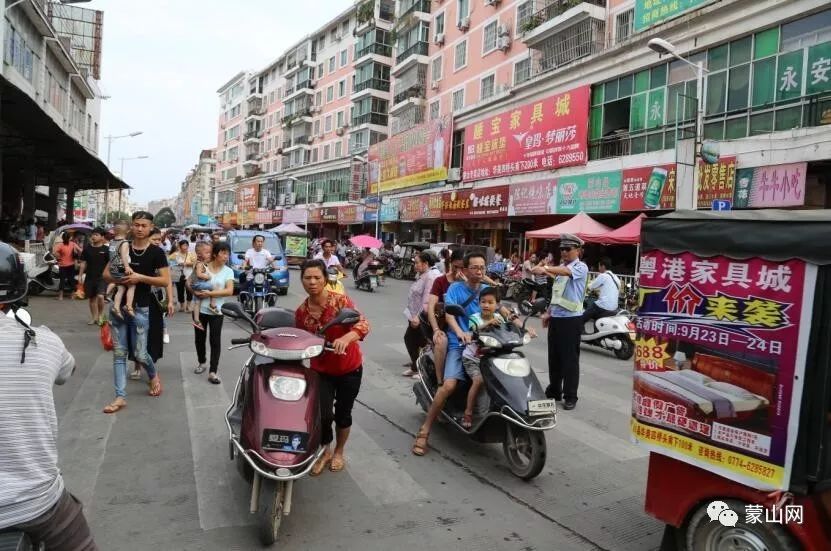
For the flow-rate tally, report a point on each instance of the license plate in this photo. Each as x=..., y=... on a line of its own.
x=373, y=283
x=541, y=407
x=285, y=441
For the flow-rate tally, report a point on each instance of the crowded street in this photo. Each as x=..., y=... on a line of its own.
x=158, y=476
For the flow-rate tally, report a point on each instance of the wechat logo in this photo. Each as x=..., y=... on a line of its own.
x=719, y=511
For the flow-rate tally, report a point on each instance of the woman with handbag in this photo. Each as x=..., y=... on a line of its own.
x=417, y=301
x=180, y=272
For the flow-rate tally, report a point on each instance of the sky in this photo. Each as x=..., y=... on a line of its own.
x=163, y=61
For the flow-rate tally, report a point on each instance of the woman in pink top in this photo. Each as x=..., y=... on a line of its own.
x=65, y=254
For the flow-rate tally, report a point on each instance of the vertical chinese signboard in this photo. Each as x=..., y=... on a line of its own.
x=415, y=157
x=359, y=178
x=652, y=12
x=643, y=185
x=543, y=135
x=770, y=186
x=717, y=358
x=247, y=197
x=533, y=198
x=716, y=181
x=598, y=192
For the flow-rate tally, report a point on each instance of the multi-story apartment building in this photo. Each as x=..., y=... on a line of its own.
x=558, y=107
x=155, y=206
x=194, y=205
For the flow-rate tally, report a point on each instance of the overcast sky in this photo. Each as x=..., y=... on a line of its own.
x=163, y=61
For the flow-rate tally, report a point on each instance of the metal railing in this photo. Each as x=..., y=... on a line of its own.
x=370, y=118
x=576, y=42
x=251, y=134
x=373, y=83
x=419, y=48
x=419, y=5
x=414, y=91
x=555, y=9
x=374, y=48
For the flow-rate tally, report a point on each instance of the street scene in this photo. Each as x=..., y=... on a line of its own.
x=379, y=274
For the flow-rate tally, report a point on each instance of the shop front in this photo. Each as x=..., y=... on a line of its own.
x=477, y=216
x=421, y=217
x=324, y=222
x=350, y=220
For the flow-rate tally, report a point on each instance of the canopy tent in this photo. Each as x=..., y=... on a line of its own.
x=285, y=229
x=627, y=234
x=580, y=225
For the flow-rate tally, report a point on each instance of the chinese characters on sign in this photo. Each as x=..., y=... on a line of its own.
x=640, y=184
x=247, y=197
x=543, y=135
x=598, y=192
x=350, y=214
x=295, y=216
x=489, y=202
x=533, y=198
x=716, y=360
x=652, y=12
x=715, y=181
x=420, y=207
x=770, y=186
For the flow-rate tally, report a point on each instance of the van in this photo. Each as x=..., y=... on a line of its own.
x=240, y=241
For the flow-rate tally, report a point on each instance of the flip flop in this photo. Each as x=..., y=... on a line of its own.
x=114, y=406
x=197, y=325
x=135, y=375
x=320, y=465
x=155, y=386
x=420, y=445
x=467, y=421
x=199, y=369
x=337, y=464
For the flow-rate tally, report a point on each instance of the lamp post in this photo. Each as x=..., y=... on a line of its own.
x=661, y=46
x=110, y=139
x=122, y=173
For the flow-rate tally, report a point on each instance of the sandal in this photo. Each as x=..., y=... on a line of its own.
x=420, y=445
x=155, y=386
x=130, y=311
x=409, y=373
x=337, y=464
x=117, y=313
x=114, y=406
x=467, y=421
x=321, y=464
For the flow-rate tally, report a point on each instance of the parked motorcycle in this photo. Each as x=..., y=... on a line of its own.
x=44, y=276
x=528, y=286
x=273, y=422
x=517, y=411
x=368, y=279
x=258, y=291
x=615, y=333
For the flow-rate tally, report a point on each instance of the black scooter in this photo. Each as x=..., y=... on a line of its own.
x=516, y=410
x=527, y=288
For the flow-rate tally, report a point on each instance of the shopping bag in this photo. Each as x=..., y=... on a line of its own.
x=79, y=292
x=106, y=337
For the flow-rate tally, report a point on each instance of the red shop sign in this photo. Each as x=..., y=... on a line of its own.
x=489, y=202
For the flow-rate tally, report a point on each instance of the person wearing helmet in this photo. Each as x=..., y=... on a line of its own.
x=564, y=320
x=33, y=498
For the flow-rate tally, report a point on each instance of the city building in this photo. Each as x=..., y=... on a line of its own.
x=194, y=205
x=154, y=207
x=51, y=109
x=477, y=120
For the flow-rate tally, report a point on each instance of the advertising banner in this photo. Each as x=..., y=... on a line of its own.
x=770, y=186
x=277, y=216
x=716, y=360
x=350, y=214
x=370, y=213
x=543, y=135
x=420, y=207
x=262, y=217
x=599, y=192
x=489, y=202
x=297, y=245
x=648, y=188
x=716, y=181
x=539, y=197
x=415, y=157
x=295, y=216
x=652, y=12
x=389, y=211
x=247, y=197
x=314, y=216
x=359, y=175
x=328, y=215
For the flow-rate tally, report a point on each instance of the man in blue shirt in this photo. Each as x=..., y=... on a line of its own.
x=466, y=295
x=564, y=320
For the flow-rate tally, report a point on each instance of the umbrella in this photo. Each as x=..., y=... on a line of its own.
x=289, y=229
x=366, y=242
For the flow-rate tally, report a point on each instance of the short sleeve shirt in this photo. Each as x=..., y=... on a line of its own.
x=218, y=281
x=575, y=289
x=440, y=287
x=331, y=261
x=146, y=263
x=258, y=260
x=96, y=259
x=459, y=293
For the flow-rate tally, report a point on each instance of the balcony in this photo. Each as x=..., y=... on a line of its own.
x=372, y=84
x=576, y=42
x=559, y=16
x=419, y=6
x=286, y=144
x=417, y=49
x=383, y=50
x=413, y=91
x=253, y=159
x=379, y=119
x=293, y=91
x=252, y=135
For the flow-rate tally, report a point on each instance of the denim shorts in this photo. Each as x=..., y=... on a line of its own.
x=202, y=286
x=453, y=368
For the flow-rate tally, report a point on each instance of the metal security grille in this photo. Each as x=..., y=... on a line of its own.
x=571, y=44
x=624, y=25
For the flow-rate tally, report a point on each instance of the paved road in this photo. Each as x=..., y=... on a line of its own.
x=157, y=474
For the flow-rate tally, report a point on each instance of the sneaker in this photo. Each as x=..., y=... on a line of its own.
x=166, y=338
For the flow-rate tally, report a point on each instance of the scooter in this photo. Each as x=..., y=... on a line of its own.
x=258, y=292
x=273, y=422
x=43, y=277
x=527, y=288
x=516, y=410
x=615, y=333
x=368, y=279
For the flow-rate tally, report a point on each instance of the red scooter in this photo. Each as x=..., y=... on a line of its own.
x=274, y=420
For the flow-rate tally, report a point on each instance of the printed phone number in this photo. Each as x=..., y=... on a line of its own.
x=751, y=467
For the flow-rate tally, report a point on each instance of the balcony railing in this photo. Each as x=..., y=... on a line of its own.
x=374, y=84
x=419, y=48
x=414, y=91
x=374, y=48
x=581, y=40
x=252, y=157
x=286, y=144
x=252, y=134
x=553, y=10
x=421, y=5
x=300, y=86
x=380, y=119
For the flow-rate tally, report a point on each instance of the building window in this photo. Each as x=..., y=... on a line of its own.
x=460, y=55
x=624, y=25
x=489, y=37
x=331, y=65
x=435, y=110
x=330, y=94
x=462, y=10
x=344, y=58
x=317, y=127
x=314, y=155
x=338, y=149
x=458, y=100
x=328, y=125
x=522, y=71
x=327, y=150
x=319, y=99
x=439, y=24
x=320, y=71
x=342, y=88
x=488, y=85
x=437, y=68
x=340, y=119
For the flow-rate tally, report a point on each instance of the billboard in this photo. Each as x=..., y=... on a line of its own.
x=715, y=181
x=489, y=202
x=770, y=186
x=539, y=197
x=247, y=197
x=648, y=188
x=419, y=207
x=598, y=192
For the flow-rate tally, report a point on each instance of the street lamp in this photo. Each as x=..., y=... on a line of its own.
x=110, y=139
x=365, y=160
x=664, y=47
x=122, y=174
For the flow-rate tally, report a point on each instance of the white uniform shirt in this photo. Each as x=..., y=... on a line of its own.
x=609, y=286
x=258, y=260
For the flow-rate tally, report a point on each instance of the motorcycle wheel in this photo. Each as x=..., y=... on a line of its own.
x=34, y=289
x=283, y=291
x=258, y=304
x=525, y=451
x=398, y=273
x=270, y=509
x=244, y=469
x=627, y=349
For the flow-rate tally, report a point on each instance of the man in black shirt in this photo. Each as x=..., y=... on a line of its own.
x=150, y=269
x=93, y=260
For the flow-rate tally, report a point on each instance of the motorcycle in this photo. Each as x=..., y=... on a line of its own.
x=369, y=278
x=43, y=277
x=517, y=412
x=273, y=422
x=615, y=333
x=526, y=289
x=258, y=292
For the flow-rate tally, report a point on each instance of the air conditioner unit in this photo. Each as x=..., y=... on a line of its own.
x=281, y=198
x=504, y=43
x=439, y=39
x=318, y=196
x=434, y=85
x=311, y=139
x=339, y=131
x=464, y=24
x=503, y=30
x=454, y=175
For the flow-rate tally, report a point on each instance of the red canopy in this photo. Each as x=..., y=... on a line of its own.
x=581, y=226
x=627, y=234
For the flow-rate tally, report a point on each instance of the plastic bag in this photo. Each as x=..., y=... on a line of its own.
x=106, y=337
x=79, y=292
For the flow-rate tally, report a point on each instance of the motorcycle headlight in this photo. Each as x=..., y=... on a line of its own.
x=488, y=341
x=259, y=279
x=287, y=388
x=515, y=367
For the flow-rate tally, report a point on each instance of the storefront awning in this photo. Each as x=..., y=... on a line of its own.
x=581, y=225
x=627, y=234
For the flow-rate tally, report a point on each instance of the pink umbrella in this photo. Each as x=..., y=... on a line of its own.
x=366, y=242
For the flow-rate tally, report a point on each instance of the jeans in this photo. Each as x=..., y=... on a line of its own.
x=564, y=357
x=135, y=329
x=594, y=312
x=66, y=278
x=337, y=398
x=212, y=324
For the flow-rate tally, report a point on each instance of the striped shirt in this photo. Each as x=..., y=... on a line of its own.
x=30, y=483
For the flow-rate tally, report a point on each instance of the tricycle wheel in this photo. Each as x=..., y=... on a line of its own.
x=626, y=350
x=706, y=535
x=270, y=509
x=525, y=451
x=398, y=273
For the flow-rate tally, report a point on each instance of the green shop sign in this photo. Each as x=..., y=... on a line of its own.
x=598, y=192
x=652, y=12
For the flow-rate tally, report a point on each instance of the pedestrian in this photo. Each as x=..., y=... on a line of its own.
x=33, y=496
x=31, y=229
x=417, y=301
x=607, y=287
x=41, y=231
x=222, y=280
x=183, y=262
x=341, y=370
x=94, y=258
x=564, y=320
x=435, y=310
x=150, y=269
x=65, y=253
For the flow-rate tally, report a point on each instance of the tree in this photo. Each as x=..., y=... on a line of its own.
x=164, y=218
x=113, y=216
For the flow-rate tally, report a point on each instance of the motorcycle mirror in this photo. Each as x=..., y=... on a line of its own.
x=49, y=257
x=241, y=256
x=278, y=257
x=21, y=313
x=347, y=316
x=454, y=310
x=236, y=312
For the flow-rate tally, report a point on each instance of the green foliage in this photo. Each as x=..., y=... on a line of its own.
x=164, y=218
